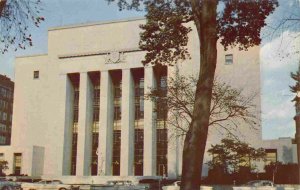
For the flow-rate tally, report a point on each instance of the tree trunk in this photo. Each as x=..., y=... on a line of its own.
x=195, y=141
x=2, y=6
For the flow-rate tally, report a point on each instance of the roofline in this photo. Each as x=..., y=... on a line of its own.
x=96, y=23
x=34, y=55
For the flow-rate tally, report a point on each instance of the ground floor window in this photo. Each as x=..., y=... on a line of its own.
x=94, y=164
x=17, y=163
x=138, y=152
x=116, y=152
x=162, y=150
x=74, y=154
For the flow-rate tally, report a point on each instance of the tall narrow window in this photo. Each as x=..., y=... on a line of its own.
x=75, y=131
x=138, y=75
x=117, y=95
x=161, y=123
x=95, y=78
x=75, y=78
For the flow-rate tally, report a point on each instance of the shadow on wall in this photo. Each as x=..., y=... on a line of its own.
x=287, y=154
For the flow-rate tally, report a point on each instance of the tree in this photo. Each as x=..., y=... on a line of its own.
x=231, y=155
x=15, y=19
x=233, y=161
x=3, y=166
x=229, y=107
x=165, y=36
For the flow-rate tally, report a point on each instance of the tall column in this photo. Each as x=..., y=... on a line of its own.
x=127, y=124
x=84, y=145
x=68, y=99
x=172, y=155
x=106, y=125
x=149, y=127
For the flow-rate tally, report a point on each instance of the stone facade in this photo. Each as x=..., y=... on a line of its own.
x=56, y=131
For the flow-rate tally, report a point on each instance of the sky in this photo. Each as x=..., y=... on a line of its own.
x=278, y=57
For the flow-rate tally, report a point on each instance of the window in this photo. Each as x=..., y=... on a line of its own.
x=3, y=92
x=116, y=152
x=117, y=113
x=36, y=74
x=162, y=152
x=228, y=59
x=138, y=152
x=17, y=163
x=4, y=116
x=271, y=156
x=2, y=139
x=139, y=98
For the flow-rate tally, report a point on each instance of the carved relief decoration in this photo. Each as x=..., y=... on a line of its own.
x=114, y=57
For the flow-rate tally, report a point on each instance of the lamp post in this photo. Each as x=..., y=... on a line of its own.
x=296, y=140
x=296, y=89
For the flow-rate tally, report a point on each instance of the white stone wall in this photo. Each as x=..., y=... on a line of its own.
x=286, y=151
x=42, y=106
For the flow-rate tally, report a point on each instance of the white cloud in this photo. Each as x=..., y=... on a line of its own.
x=281, y=51
x=284, y=110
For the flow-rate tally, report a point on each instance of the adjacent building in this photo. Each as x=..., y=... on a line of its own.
x=80, y=113
x=6, y=109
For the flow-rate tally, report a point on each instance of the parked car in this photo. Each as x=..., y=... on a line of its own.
x=124, y=185
x=152, y=184
x=48, y=184
x=260, y=183
x=257, y=185
x=176, y=186
x=9, y=185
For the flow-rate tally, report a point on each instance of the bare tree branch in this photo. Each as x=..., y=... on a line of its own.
x=15, y=18
x=229, y=108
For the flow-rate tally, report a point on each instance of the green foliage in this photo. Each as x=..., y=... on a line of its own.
x=15, y=18
x=241, y=21
x=3, y=166
x=296, y=77
x=165, y=37
x=165, y=34
x=231, y=155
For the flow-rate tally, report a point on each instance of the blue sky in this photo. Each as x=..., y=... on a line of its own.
x=277, y=54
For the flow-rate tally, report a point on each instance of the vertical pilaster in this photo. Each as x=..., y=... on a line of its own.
x=68, y=120
x=84, y=146
x=127, y=124
x=172, y=156
x=149, y=126
x=9, y=157
x=106, y=125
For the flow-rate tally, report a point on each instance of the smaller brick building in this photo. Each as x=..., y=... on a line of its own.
x=6, y=109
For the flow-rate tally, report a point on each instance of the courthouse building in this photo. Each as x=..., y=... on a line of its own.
x=79, y=111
